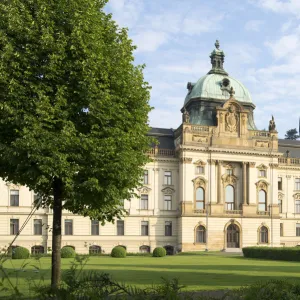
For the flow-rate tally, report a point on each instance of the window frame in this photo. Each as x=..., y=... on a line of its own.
x=38, y=230
x=297, y=229
x=146, y=177
x=144, y=202
x=120, y=229
x=145, y=228
x=263, y=235
x=14, y=228
x=280, y=205
x=95, y=227
x=168, y=202
x=297, y=206
x=69, y=227
x=230, y=205
x=265, y=203
x=279, y=183
x=14, y=199
x=168, y=178
x=297, y=184
x=200, y=170
x=168, y=228
x=200, y=234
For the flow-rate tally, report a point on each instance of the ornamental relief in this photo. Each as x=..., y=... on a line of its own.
x=262, y=167
x=261, y=185
x=229, y=179
x=231, y=119
x=262, y=144
x=144, y=190
x=199, y=182
x=280, y=196
x=13, y=186
x=296, y=196
x=199, y=163
x=168, y=190
x=200, y=139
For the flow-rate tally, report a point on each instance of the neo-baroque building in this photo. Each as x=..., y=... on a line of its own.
x=214, y=183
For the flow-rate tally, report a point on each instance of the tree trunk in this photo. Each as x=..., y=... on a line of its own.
x=56, y=234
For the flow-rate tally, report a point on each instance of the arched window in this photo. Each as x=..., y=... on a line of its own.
x=144, y=249
x=262, y=200
x=37, y=249
x=94, y=249
x=200, y=234
x=229, y=194
x=200, y=198
x=263, y=235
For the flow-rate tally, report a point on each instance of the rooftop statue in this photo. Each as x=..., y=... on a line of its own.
x=185, y=116
x=272, y=125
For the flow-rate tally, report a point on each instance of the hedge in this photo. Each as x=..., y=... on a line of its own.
x=118, y=251
x=20, y=253
x=279, y=253
x=159, y=252
x=67, y=252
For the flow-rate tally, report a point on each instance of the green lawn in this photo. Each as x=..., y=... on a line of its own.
x=205, y=271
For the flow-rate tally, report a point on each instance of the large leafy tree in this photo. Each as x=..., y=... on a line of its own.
x=292, y=134
x=73, y=108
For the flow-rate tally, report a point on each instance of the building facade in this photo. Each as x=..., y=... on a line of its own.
x=214, y=183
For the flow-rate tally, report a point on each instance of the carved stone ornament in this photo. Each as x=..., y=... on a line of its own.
x=144, y=190
x=296, y=196
x=229, y=179
x=12, y=186
x=186, y=160
x=262, y=167
x=280, y=196
x=185, y=116
x=200, y=163
x=261, y=185
x=252, y=164
x=262, y=144
x=231, y=119
x=168, y=190
x=199, y=182
x=200, y=139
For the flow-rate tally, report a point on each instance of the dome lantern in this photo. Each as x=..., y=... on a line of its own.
x=217, y=60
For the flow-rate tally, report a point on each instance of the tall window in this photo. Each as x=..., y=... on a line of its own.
x=168, y=228
x=263, y=235
x=199, y=170
x=262, y=173
x=68, y=227
x=279, y=183
x=281, y=229
x=144, y=201
x=200, y=234
x=297, y=184
x=146, y=177
x=120, y=227
x=144, y=228
x=95, y=227
x=167, y=202
x=37, y=224
x=280, y=205
x=297, y=229
x=200, y=204
x=229, y=197
x=14, y=226
x=168, y=178
x=14, y=198
x=297, y=206
x=262, y=200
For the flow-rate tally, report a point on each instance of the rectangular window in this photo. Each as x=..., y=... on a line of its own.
x=280, y=206
x=262, y=173
x=144, y=228
x=168, y=228
x=144, y=201
x=281, y=229
x=279, y=184
x=146, y=177
x=297, y=229
x=229, y=172
x=95, y=227
x=68, y=227
x=37, y=224
x=14, y=198
x=168, y=178
x=297, y=184
x=167, y=202
x=14, y=226
x=297, y=208
x=199, y=170
x=120, y=227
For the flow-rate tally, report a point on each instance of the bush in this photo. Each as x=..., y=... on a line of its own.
x=67, y=252
x=118, y=251
x=159, y=252
x=20, y=253
x=284, y=253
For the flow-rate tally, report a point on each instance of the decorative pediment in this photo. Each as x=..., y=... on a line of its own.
x=296, y=196
x=13, y=186
x=262, y=167
x=199, y=182
x=227, y=165
x=199, y=162
x=262, y=185
x=168, y=190
x=280, y=196
x=144, y=190
x=229, y=179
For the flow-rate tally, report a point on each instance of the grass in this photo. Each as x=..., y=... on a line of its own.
x=198, y=271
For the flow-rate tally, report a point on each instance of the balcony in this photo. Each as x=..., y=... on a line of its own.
x=289, y=161
x=199, y=211
x=234, y=212
x=161, y=152
x=263, y=213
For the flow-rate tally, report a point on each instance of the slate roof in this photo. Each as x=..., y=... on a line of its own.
x=291, y=145
x=164, y=136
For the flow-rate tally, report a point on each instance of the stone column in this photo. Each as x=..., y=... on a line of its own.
x=245, y=183
x=219, y=184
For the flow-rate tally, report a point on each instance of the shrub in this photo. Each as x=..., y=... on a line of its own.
x=159, y=252
x=67, y=252
x=118, y=251
x=282, y=253
x=20, y=253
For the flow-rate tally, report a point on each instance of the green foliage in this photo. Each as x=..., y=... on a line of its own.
x=159, y=252
x=292, y=134
x=118, y=252
x=282, y=253
x=20, y=253
x=67, y=252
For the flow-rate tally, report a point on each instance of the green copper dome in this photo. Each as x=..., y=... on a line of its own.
x=217, y=86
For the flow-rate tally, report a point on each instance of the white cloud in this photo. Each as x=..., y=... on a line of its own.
x=149, y=40
x=280, y=6
x=165, y=118
x=286, y=26
x=254, y=25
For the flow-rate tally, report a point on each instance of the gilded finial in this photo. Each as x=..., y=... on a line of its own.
x=231, y=92
x=217, y=44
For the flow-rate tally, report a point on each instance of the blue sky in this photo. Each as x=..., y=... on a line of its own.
x=260, y=38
